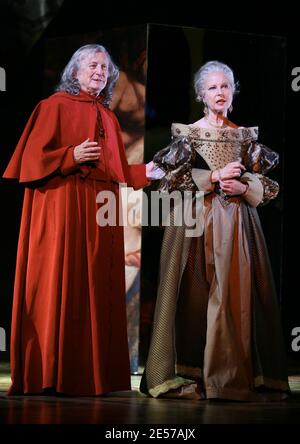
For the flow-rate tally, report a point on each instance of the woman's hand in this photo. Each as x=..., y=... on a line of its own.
x=233, y=187
x=230, y=171
x=153, y=172
x=87, y=151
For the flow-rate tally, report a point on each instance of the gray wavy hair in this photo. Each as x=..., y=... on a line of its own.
x=68, y=83
x=207, y=68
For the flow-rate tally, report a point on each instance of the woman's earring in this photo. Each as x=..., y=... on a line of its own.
x=205, y=109
x=230, y=108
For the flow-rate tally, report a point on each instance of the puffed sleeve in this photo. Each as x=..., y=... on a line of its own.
x=176, y=161
x=259, y=160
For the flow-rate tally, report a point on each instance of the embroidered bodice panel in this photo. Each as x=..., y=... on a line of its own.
x=217, y=146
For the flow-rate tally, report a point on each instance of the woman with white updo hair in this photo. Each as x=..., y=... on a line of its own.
x=217, y=330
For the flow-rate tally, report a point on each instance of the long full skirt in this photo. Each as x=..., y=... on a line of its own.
x=217, y=320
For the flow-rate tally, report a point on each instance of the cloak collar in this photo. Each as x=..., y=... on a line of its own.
x=81, y=97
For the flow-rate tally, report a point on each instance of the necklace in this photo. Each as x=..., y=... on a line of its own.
x=214, y=124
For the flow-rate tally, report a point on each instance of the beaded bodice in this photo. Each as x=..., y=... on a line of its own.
x=217, y=146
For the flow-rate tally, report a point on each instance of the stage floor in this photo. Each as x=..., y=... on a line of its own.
x=131, y=407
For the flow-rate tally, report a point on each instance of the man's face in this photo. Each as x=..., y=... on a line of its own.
x=93, y=73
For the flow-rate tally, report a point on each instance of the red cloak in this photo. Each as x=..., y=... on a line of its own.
x=69, y=316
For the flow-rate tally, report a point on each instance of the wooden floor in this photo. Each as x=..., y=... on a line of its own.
x=134, y=408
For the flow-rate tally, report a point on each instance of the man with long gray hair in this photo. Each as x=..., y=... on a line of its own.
x=69, y=318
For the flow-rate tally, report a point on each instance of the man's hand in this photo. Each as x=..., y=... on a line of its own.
x=87, y=151
x=153, y=172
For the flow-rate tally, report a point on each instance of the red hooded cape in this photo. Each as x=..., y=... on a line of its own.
x=69, y=316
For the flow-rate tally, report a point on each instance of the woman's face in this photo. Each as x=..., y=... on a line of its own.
x=217, y=92
x=93, y=73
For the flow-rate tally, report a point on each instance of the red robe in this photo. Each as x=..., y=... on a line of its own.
x=69, y=317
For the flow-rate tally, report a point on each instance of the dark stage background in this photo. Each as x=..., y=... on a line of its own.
x=262, y=65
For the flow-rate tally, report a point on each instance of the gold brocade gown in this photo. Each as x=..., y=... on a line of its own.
x=216, y=319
